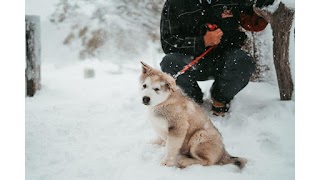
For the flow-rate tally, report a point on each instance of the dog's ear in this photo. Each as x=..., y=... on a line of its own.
x=145, y=67
x=171, y=83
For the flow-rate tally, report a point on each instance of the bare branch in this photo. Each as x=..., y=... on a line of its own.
x=263, y=13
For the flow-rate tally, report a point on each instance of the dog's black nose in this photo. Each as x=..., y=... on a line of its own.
x=146, y=100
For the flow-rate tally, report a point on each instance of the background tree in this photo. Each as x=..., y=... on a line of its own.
x=99, y=24
x=99, y=28
x=258, y=46
x=33, y=55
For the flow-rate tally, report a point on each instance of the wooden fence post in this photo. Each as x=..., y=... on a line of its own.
x=33, y=55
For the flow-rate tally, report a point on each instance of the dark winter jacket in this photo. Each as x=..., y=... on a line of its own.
x=183, y=24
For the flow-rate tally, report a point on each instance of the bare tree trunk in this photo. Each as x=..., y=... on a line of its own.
x=281, y=25
x=32, y=74
x=256, y=74
x=254, y=47
x=281, y=22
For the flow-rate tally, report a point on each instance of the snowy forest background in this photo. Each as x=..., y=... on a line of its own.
x=108, y=31
x=87, y=121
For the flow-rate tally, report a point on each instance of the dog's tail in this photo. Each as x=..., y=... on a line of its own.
x=228, y=159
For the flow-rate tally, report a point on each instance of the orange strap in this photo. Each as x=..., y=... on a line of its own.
x=192, y=62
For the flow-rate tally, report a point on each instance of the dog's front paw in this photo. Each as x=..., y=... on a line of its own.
x=182, y=163
x=168, y=162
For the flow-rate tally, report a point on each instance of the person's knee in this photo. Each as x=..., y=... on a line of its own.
x=167, y=62
x=241, y=61
x=248, y=64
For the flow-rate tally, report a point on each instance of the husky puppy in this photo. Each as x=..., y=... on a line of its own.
x=183, y=127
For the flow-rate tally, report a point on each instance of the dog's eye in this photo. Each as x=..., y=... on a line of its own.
x=144, y=86
x=156, y=89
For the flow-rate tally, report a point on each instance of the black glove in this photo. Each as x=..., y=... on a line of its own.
x=247, y=3
x=263, y=3
x=258, y=3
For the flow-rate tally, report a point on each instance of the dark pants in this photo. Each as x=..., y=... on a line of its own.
x=230, y=69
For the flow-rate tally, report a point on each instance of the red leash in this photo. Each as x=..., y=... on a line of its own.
x=192, y=63
x=211, y=27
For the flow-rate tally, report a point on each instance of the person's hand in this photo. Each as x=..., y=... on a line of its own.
x=212, y=38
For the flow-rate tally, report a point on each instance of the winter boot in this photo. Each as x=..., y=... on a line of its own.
x=219, y=108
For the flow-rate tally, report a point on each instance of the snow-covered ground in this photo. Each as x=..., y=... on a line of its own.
x=97, y=128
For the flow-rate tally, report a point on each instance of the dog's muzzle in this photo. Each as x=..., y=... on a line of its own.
x=146, y=100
